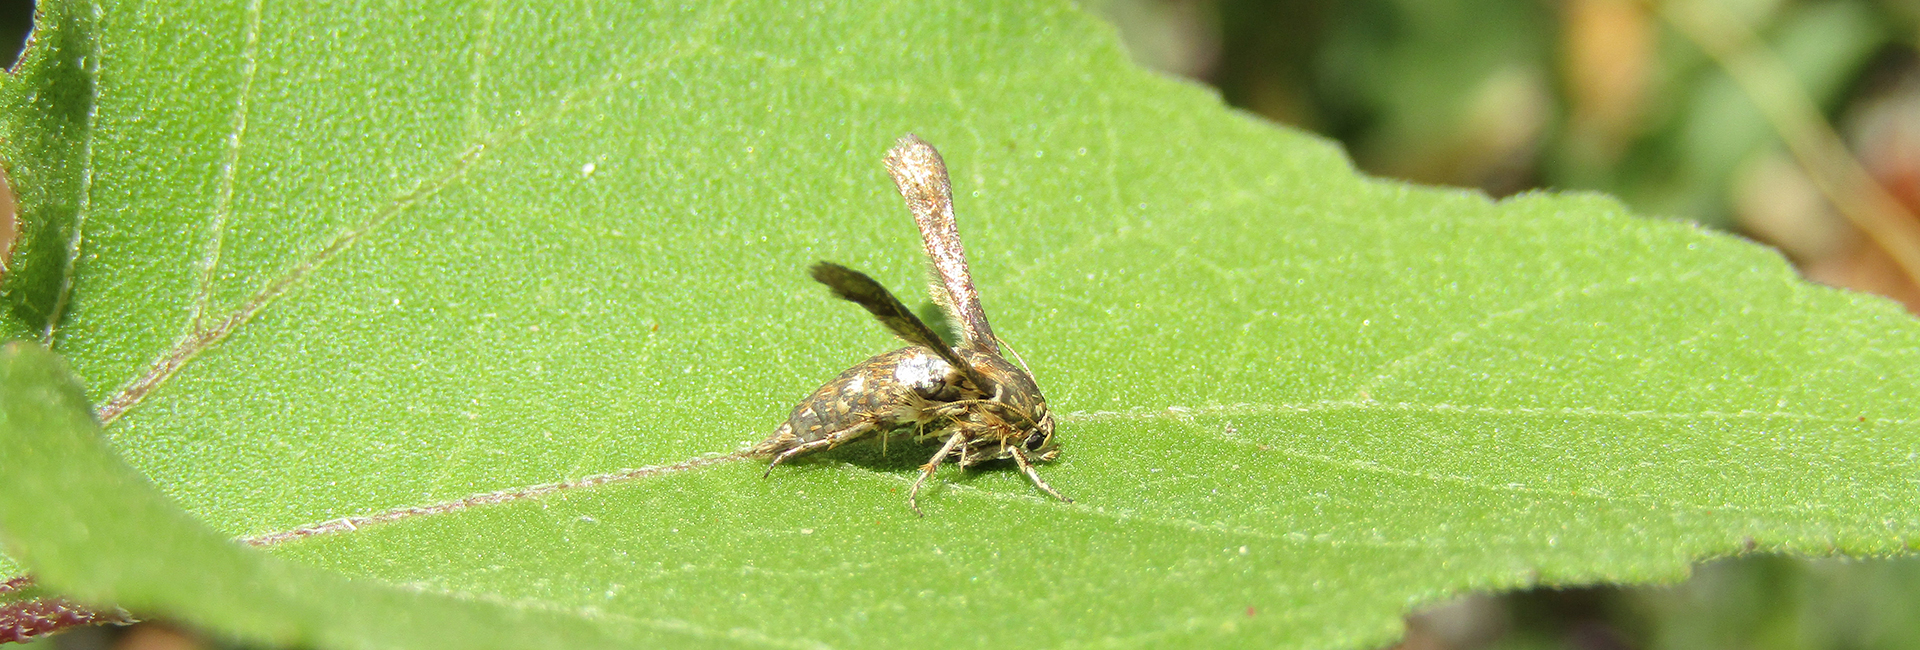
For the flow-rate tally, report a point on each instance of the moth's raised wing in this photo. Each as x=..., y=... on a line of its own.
x=856, y=287
x=922, y=178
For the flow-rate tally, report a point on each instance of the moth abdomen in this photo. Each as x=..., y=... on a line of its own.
x=885, y=393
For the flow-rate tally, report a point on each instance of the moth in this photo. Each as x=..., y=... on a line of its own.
x=967, y=397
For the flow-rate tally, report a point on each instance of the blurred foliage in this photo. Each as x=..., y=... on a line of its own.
x=1756, y=603
x=1512, y=95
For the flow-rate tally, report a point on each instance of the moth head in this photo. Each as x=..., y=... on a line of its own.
x=1013, y=407
x=1039, y=443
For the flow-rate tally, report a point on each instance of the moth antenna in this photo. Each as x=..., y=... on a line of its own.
x=1016, y=355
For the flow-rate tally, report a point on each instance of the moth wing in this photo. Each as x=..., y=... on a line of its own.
x=854, y=286
x=921, y=176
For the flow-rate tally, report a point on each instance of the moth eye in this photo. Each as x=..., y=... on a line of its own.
x=1035, y=441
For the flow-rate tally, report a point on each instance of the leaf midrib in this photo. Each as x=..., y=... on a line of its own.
x=514, y=494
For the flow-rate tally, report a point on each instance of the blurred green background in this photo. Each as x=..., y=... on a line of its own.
x=1677, y=108
x=1616, y=96
x=1792, y=122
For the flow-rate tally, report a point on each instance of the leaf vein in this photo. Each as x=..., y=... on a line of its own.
x=1465, y=482
x=345, y=524
x=191, y=345
x=1485, y=324
x=229, y=169
x=1247, y=409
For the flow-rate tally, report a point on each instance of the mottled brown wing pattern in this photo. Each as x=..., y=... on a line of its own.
x=921, y=175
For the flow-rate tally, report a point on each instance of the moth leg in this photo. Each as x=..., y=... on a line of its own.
x=919, y=431
x=928, y=469
x=1020, y=456
x=829, y=441
x=939, y=418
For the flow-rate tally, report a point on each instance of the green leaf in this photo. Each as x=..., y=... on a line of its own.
x=47, y=118
x=376, y=262
x=93, y=526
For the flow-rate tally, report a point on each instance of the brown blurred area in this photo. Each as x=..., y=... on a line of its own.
x=1609, y=95
x=1765, y=118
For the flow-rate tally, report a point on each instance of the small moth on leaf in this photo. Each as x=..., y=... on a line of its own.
x=967, y=397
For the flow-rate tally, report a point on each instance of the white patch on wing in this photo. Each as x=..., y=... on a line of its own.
x=921, y=370
x=859, y=382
